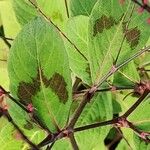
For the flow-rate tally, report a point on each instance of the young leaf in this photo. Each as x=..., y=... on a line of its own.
x=113, y=27
x=77, y=32
x=39, y=73
x=83, y=7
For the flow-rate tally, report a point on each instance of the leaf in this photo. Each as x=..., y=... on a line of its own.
x=109, y=27
x=39, y=73
x=9, y=22
x=140, y=118
x=7, y=136
x=91, y=139
x=141, y=114
x=128, y=135
x=4, y=80
x=128, y=75
x=25, y=11
x=56, y=10
x=77, y=32
x=11, y=139
x=83, y=7
x=141, y=144
x=98, y=110
x=63, y=143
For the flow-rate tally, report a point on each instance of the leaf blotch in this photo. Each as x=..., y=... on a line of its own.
x=28, y=126
x=57, y=16
x=58, y=85
x=132, y=35
x=27, y=90
x=103, y=23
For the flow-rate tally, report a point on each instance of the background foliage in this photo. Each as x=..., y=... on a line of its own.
x=42, y=68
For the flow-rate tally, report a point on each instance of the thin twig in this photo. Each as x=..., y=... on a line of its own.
x=144, y=6
x=96, y=125
x=3, y=60
x=116, y=88
x=67, y=10
x=7, y=38
x=73, y=142
x=86, y=98
x=6, y=41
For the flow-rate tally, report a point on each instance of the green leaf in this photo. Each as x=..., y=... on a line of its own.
x=4, y=80
x=56, y=10
x=9, y=22
x=98, y=110
x=140, y=118
x=140, y=144
x=11, y=139
x=77, y=32
x=24, y=11
x=112, y=28
x=129, y=142
x=83, y=7
x=128, y=75
x=39, y=73
x=91, y=139
x=8, y=136
x=63, y=143
x=141, y=114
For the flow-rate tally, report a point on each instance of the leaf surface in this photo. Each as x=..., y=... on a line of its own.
x=98, y=110
x=83, y=7
x=56, y=10
x=111, y=29
x=77, y=32
x=39, y=73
